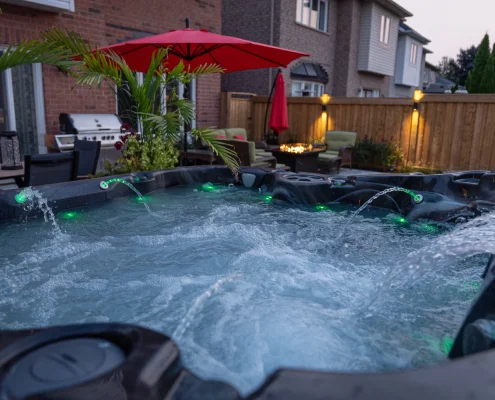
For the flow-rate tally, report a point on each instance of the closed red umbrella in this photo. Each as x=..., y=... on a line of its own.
x=279, y=121
x=199, y=47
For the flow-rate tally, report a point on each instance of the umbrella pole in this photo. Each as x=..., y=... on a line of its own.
x=269, y=100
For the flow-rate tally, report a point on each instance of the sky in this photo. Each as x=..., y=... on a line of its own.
x=451, y=24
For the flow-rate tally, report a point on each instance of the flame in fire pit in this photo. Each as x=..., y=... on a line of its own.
x=296, y=148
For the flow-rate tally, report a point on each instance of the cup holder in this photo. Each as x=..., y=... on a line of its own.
x=304, y=178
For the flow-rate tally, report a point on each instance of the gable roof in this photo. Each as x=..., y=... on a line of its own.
x=394, y=8
x=407, y=30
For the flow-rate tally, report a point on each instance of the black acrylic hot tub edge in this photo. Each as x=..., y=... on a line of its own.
x=83, y=193
x=446, y=196
x=152, y=370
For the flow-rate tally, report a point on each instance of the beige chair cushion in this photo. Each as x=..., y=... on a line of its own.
x=328, y=155
x=336, y=139
x=231, y=132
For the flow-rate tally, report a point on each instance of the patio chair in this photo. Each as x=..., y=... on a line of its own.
x=44, y=169
x=89, y=152
x=247, y=157
x=339, y=151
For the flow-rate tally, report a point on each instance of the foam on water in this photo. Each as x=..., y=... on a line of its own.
x=246, y=287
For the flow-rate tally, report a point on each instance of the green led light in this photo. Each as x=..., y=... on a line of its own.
x=446, y=344
x=145, y=198
x=69, y=215
x=208, y=187
x=268, y=198
x=20, y=197
x=399, y=220
x=321, y=207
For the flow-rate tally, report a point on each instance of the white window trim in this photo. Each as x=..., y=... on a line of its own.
x=413, y=56
x=300, y=5
x=314, y=86
x=39, y=104
x=47, y=5
x=385, y=23
x=9, y=100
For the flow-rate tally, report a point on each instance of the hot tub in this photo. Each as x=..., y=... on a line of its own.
x=249, y=280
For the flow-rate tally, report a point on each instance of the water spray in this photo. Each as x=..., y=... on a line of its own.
x=104, y=185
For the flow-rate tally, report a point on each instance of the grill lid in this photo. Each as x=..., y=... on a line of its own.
x=78, y=123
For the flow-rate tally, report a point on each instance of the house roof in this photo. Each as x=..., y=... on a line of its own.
x=432, y=67
x=442, y=84
x=427, y=51
x=407, y=30
x=393, y=7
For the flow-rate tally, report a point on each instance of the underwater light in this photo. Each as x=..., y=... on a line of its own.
x=20, y=197
x=208, y=187
x=69, y=214
x=142, y=199
x=446, y=344
x=321, y=207
x=268, y=198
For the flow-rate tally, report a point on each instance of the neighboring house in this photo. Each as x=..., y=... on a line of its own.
x=442, y=85
x=353, y=45
x=32, y=97
x=410, y=62
x=430, y=74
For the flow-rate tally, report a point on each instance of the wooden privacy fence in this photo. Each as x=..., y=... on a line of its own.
x=449, y=132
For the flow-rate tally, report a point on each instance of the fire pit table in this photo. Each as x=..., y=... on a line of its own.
x=299, y=157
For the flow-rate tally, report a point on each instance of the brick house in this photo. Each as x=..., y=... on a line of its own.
x=353, y=45
x=34, y=96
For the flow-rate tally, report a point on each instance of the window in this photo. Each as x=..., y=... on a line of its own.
x=22, y=106
x=307, y=89
x=368, y=93
x=313, y=13
x=385, y=29
x=414, y=53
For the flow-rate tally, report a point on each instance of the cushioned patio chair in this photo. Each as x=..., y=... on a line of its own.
x=247, y=157
x=44, y=169
x=89, y=153
x=340, y=145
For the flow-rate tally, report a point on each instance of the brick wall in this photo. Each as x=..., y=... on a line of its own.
x=105, y=22
x=320, y=45
x=251, y=23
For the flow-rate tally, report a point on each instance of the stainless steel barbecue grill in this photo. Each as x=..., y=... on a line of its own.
x=94, y=127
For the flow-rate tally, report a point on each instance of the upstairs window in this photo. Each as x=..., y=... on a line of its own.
x=385, y=30
x=414, y=53
x=313, y=13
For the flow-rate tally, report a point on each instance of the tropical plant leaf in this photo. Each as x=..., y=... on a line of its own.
x=222, y=149
x=34, y=52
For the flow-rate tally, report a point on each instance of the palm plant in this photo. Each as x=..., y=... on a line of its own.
x=161, y=126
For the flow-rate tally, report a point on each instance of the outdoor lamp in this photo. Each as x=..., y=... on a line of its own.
x=325, y=99
x=9, y=150
x=418, y=94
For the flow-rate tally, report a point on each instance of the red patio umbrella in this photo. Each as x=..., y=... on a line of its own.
x=199, y=47
x=279, y=120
